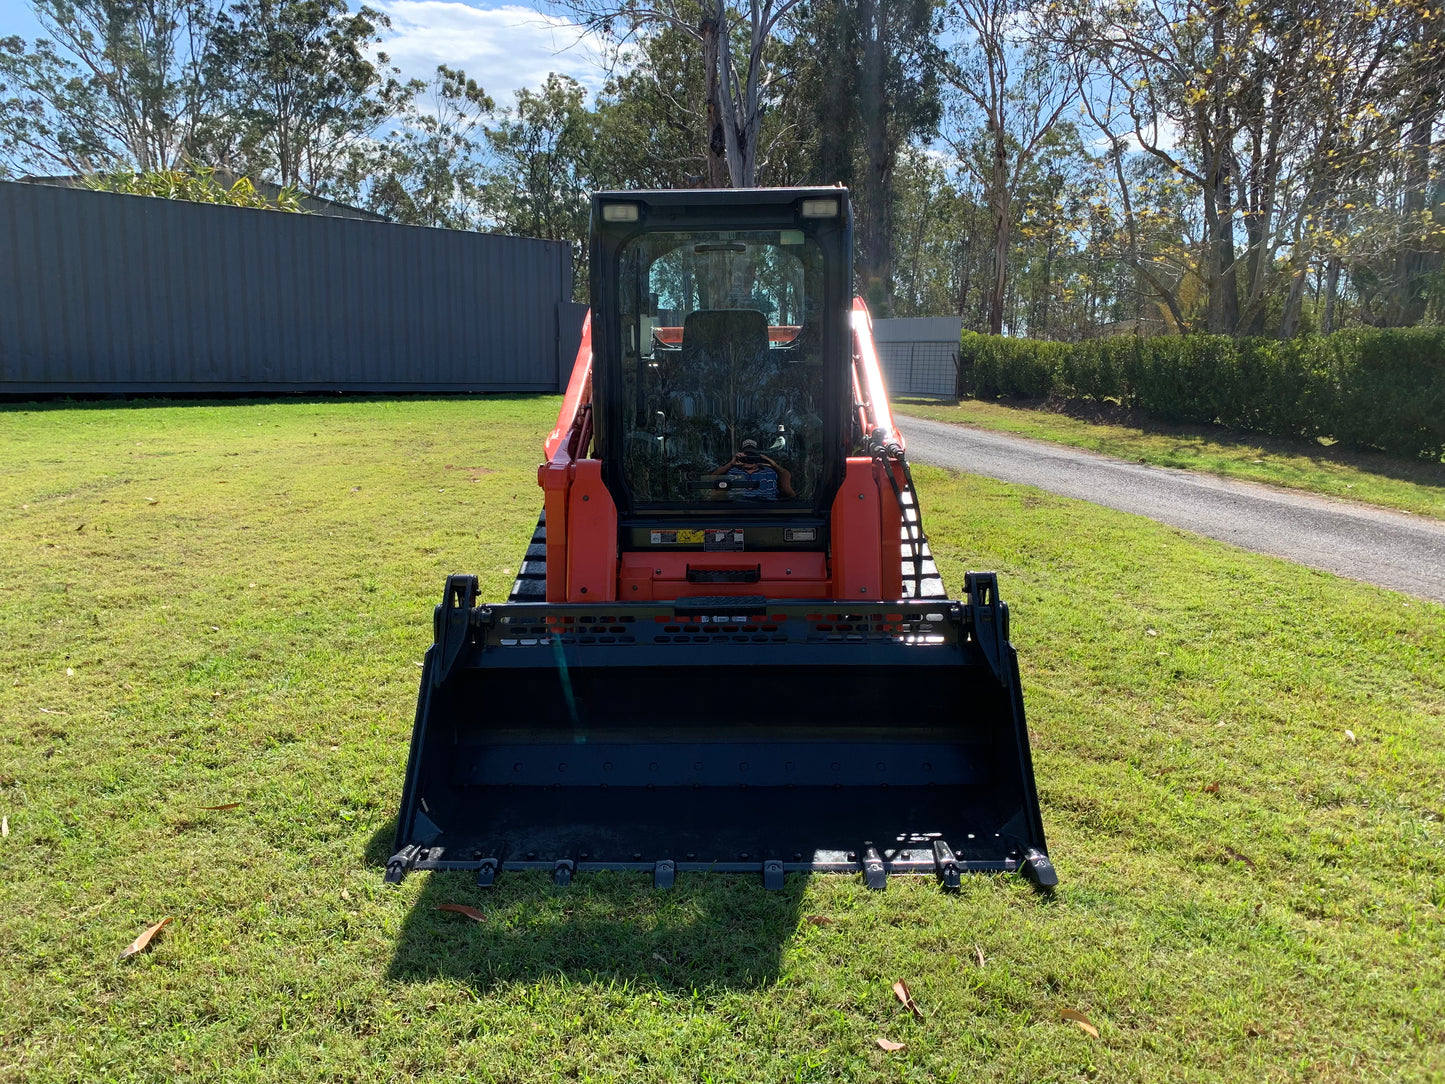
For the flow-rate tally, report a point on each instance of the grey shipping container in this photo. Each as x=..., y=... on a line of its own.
x=106, y=293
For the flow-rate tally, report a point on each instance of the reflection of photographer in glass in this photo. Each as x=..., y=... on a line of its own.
x=768, y=479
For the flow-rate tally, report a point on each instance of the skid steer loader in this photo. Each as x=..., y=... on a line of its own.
x=729, y=648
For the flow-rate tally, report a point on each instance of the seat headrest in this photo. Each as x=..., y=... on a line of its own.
x=706, y=329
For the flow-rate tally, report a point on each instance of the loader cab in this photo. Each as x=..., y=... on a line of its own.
x=721, y=349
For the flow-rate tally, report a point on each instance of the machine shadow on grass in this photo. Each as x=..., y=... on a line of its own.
x=707, y=931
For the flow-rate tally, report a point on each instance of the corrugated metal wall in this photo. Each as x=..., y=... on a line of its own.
x=919, y=355
x=113, y=293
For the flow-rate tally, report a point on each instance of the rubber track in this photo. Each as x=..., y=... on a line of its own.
x=531, y=582
x=920, y=575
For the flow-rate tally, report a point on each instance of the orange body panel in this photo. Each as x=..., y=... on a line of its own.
x=579, y=393
x=777, y=333
x=857, y=543
x=651, y=577
x=592, y=536
x=555, y=479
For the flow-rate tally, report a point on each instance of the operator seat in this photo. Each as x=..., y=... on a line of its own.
x=715, y=341
x=723, y=366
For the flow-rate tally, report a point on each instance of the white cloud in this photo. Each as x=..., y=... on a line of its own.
x=502, y=48
x=1165, y=135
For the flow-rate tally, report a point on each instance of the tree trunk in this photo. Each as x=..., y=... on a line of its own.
x=1289, y=322
x=965, y=248
x=1221, y=278
x=1332, y=291
x=1406, y=305
x=1050, y=253
x=738, y=128
x=999, y=278
x=876, y=246
x=716, y=149
x=1215, y=132
x=999, y=209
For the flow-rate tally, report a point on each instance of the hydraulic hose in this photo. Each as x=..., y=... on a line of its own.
x=886, y=451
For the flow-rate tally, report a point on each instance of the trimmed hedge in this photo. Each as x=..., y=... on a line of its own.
x=1369, y=388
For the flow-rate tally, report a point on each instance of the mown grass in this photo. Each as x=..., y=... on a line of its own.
x=1247, y=893
x=1371, y=477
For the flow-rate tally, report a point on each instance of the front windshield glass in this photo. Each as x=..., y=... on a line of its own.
x=722, y=366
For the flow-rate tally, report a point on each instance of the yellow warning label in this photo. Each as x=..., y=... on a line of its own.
x=685, y=537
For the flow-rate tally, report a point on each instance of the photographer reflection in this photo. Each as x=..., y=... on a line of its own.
x=767, y=478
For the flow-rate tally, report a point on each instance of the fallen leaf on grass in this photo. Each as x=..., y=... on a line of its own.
x=1080, y=1021
x=900, y=990
x=5, y=827
x=1211, y=788
x=139, y=944
x=228, y=805
x=888, y=1044
x=818, y=920
x=1238, y=857
x=462, y=909
x=1350, y=734
x=979, y=953
x=53, y=711
x=660, y=958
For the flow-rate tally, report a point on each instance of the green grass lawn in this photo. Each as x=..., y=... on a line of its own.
x=1371, y=477
x=211, y=604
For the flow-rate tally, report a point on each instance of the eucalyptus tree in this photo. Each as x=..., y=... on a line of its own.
x=649, y=114
x=732, y=40
x=539, y=179
x=305, y=86
x=898, y=101
x=1010, y=92
x=113, y=84
x=1278, y=117
x=430, y=171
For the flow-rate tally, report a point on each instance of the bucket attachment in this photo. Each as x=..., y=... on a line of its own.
x=732, y=734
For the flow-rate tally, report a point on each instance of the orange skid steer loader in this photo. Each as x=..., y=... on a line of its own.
x=729, y=648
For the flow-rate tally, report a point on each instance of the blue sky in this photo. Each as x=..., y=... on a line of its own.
x=503, y=46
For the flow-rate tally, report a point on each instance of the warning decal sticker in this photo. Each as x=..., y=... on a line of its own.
x=730, y=538
x=678, y=538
